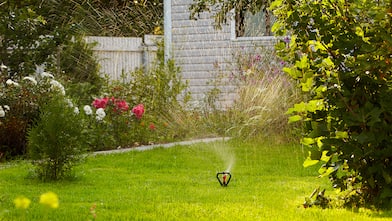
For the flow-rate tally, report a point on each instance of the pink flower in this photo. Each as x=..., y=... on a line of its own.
x=100, y=102
x=121, y=105
x=138, y=110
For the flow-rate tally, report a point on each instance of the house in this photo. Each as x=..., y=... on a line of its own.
x=203, y=52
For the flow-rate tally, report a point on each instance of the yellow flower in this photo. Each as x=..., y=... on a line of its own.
x=22, y=202
x=157, y=31
x=49, y=199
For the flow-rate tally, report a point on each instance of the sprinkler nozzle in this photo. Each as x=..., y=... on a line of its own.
x=222, y=178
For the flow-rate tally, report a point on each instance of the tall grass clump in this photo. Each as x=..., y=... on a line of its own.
x=263, y=95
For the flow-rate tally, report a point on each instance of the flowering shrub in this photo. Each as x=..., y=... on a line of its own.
x=20, y=100
x=100, y=102
x=114, y=125
x=118, y=104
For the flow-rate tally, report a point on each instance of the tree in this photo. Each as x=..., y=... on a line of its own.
x=340, y=54
x=31, y=37
x=33, y=34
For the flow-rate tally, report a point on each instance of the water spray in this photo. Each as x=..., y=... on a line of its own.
x=224, y=178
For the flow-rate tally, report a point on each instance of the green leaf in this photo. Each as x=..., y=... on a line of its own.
x=319, y=142
x=294, y=118
x=307, y=86
x=317, y=45
x=303, y=63
x=315, y=155
x=309, y=162
x=298, y=108
x=307, y=141
x=359, y=31
x=341, y=134
x=293, y=72
x=323, y=171
x=386, y=193
x=387, y=177
x=327, y=62
x=324, y=156
x=276, y=27
x=320, y=90
x=315, y=105
x=275, y=4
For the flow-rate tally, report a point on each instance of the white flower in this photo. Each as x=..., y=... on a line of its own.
x=57, y=86
x=6, y=107
x=46, y=74
x=76, y=110
x=31, y=79
x=100, y=114
x=69, y=102
x=11, y=82
x=87, y=109
x=3, y=67
x=2, y=112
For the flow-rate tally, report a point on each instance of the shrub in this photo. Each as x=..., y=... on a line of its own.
x=56, y=140
x=340, y=53
x=114, y=124
x=21, y=98
x=160, y=89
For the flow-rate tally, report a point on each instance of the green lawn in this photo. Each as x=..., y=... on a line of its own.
x=179, y=183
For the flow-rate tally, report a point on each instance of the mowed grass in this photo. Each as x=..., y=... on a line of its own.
x=179, y=183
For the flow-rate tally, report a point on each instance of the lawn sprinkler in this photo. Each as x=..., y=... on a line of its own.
x=224, y=178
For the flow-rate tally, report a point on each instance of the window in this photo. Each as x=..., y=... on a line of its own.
x=248, y=25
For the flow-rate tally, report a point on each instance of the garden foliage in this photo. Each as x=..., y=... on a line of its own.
x=340, y=53
x=223, y=8
x=21, y=99
x=33, y=39
x=161, y=90
x=113, y=124
x=264, y=93
x=56, y=140
x=113, y=119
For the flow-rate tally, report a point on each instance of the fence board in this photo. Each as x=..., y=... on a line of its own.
x=119, y=55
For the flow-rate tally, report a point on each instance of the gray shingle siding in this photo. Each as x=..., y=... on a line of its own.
x=202, y=51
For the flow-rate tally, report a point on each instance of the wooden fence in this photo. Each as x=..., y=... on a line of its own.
x=119, y=55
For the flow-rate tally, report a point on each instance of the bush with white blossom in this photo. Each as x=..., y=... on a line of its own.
x=20, y=102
